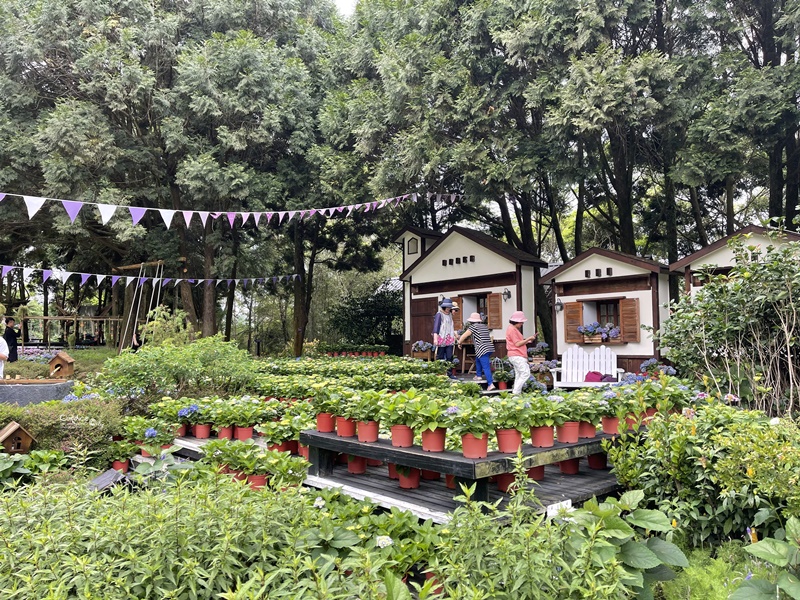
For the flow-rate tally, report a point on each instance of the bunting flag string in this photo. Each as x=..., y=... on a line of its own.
x=34, y=204
x=125, y=281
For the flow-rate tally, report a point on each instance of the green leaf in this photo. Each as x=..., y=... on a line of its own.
x=617, y=527
x=630, y=500
x=789, y=584
x=761, y=516
x=667, y=552
x=639, y=556
x=395, y=588
x=659, y=573
x=772, y=551
x=654, y=520
x=793, y=529
x=755, y=589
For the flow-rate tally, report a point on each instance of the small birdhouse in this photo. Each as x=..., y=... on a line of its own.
x=62, y=366
x=15, y=439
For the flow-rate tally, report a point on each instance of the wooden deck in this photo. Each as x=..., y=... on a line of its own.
x=433, y=500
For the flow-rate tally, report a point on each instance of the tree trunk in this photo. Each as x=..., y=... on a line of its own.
x=581, y=202
x=730, y=226
x=671, y=227
x=698, y=216
x=300, y=308
x=792, y=178
x=209, y=321
x=231, y=297
x=622, y=158
x=776, y=181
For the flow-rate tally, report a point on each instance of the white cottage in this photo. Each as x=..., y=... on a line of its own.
x=717, y=258
x=610, y=287
x=474, y=269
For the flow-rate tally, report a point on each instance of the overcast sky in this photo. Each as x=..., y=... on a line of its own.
x=346, y=7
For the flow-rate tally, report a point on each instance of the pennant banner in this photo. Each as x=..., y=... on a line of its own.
x=107, y=211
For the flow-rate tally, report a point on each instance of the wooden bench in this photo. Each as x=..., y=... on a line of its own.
x=577, y=362
x=323, y=449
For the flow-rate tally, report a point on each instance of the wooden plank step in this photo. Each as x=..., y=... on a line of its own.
x=433, y=500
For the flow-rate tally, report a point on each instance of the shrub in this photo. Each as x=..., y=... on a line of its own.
x=716, y=470
x=742, y=330
x=83, y=426
x=204, y=367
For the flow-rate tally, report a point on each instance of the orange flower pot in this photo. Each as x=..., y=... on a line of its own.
x=433, y=440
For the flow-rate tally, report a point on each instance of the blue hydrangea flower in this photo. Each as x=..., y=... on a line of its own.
x=150, y=433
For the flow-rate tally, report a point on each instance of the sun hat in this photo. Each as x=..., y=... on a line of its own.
x=455, y=306
x=446, y=303
x=518, y=317
x=475, y=318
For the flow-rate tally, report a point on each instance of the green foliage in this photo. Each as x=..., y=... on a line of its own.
x=167, y=327
x=370, y=319
x=703, y=469
x=82, y=426
x=740, y=331
x=713, y=574
x=783, y=553
x=206, y=366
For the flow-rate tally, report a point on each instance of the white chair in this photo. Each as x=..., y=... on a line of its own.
x=577, y=362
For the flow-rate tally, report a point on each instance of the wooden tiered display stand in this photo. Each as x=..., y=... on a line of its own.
x=433, y=500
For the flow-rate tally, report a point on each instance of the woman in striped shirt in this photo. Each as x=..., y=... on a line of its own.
x=484, y=348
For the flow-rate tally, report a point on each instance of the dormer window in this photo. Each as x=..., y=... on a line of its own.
x=413, y=246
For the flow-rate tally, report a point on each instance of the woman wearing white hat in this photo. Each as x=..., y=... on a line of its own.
x=484, y=348
x=517, y=350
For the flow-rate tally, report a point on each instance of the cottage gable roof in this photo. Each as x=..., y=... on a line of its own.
x=11, y=429
x=789, y=236
x=421, y=232
x=628, y=259
x=503, y=249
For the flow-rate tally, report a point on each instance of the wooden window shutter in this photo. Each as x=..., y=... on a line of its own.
x=629, y=330
x=494, y=308
x=458, y=317
x=573, y=318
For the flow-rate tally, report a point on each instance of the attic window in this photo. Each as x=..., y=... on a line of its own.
x=444, y=262
x=16, y=443
x=458, y=260
x=609, y=271
x=413, y=246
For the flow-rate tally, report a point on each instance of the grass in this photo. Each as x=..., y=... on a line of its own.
x=89, y=360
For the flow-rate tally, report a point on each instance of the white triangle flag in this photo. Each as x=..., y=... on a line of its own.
x=129, y=280
x=106, y=212
x=167, y=215
x=33, y=203
x=26, y=273
x=203, y=216
x=99, y=279
x=257, y=217
x=65, y=275
x=245, y=216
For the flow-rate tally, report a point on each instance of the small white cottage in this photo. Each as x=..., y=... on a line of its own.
x=717, y=258
x=475, y=270
x=606, y=286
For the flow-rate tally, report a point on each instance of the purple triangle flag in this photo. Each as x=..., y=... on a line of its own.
x=85, y=278
x=190, y=280
x=230, y=281
x=2, y=197
x=268, y=216
x=114, y=280
x=203, y=216
x=6, y=270
x=231, y=218
x=209, y=282
x=165, y=281
x=261, y=280
x=339, y=209
x=303, y=214
x=142, y=280
x=257, y=217
x=137, y=212
x=312, y=212
x=72, y=208
x=274, y=280
x=46, y=274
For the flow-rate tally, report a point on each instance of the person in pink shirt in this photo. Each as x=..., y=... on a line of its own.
x=517, y=350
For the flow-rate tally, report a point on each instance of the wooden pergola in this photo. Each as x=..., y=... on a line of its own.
x=76, y=320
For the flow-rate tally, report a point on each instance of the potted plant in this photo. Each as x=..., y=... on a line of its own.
x=247, y=413
x=595, y=333
x=363, y=407
x=408, y=477
x=324, y=401
x=508, y=416
x=278, y=433
x=537, y=353
x=120, y=453
x=567, y=423
x=394, y=413
x=422, y=349
x=501, y=377
x=223, y=415
x=426, y=413
x=584, y=407
x=473, y=420
x=540, y=416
